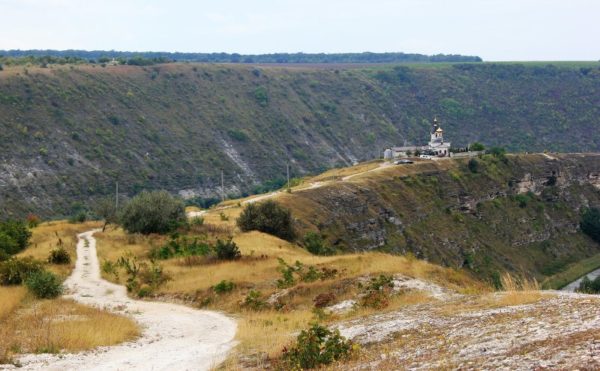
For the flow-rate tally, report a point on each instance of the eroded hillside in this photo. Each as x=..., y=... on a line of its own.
x=69, y=132
x=518, y=213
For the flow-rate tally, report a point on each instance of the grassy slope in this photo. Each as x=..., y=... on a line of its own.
x=422, y=208
x=74, y=130
x=193, y=280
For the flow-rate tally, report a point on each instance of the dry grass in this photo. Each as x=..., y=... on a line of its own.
x=397, y=301
x=269, y=331
x=10, y=298
x=258, y=270
x=519, y=283
x=517, y=290
x=52, y=326
x=337, y=174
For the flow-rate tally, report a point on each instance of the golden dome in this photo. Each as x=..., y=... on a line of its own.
x=439, y=130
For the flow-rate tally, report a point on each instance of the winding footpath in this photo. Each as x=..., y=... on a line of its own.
x=174, y=337
x=313, y=185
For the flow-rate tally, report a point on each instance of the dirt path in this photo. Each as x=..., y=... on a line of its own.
x=174, y=337
x=313, y=185
x=575, y=284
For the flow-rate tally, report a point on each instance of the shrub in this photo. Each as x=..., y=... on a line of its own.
x=224, y=287
x=153, y=212
x=377, y=292
x=144, y=291
x=227, y=250
x=522, y=200
x=588, y=286
x=261, y=96
x=4, y=256
x=324, y=299
x=303, y=272
x=316, y=346
x=473, y=165
x=197, y=221
x=132, y=268
x=180, y=247
x=500, y=153
x=17, y=232
x=105, y=209
x=8, y=246
x=315, y=244
x=33, y=220
x=80, y=217
x=268, y=217
x=254, y=301
x=153, y=276
x=590, y=223
x=59, y=256
x=14, y=271
x=476, y=147
x=109, y=267
x=44, y=284
x=287, y=273
x=142, y=278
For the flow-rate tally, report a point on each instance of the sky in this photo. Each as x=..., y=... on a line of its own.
x=496, y=30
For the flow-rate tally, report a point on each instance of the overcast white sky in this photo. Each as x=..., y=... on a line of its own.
x=492, y=29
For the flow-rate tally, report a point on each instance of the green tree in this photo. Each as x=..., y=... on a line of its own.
x=590, y=223
x=473, y=165
x=476, y=147
x=315, y=244
x=268, y=217
x=153, y=212
x=8, y=246
x=105, y=208
x=14, y=236
x=261, y=96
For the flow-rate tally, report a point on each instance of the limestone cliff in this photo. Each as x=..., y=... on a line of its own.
x=519, y=212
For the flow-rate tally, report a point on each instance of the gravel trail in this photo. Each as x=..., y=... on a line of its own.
x=174, y=337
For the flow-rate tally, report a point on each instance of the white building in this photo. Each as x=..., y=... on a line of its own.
x=436, y=146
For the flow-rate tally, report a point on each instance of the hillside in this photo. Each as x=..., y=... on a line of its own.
x=518, y=213
x=69, y=132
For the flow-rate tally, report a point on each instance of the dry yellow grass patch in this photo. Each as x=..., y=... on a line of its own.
x=335, y=174
x=517, y=290
x=397, y=301
x=218, y=216
x=63, y=325
x=269, y=331
x=511, y=298
x=491, y=301
x=10, y=298
x=189, y=209
x=259, y=268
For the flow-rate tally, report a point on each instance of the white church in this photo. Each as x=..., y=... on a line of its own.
x=436, y=146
